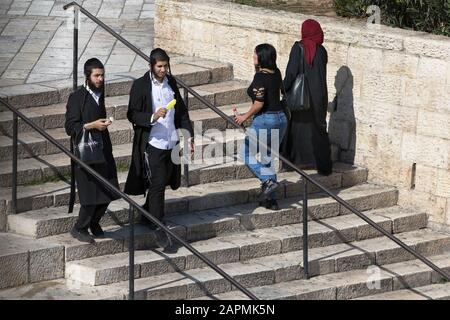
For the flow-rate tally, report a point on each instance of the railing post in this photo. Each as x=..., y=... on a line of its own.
x=305, y=229
x=186, y=165
x=75, y=47
x=131, y=255
x=14, y=163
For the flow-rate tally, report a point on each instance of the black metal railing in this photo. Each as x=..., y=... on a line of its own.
x=133, y=205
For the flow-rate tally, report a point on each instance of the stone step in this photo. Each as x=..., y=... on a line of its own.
x=438, y=291
x=32, y=144
x=24, y=260
x=37, y=196
x=261, y=280
x=55, y=220
x=192, y=71
x=250, y=245
x=53, y=167
x=219, y=94
x=206, y=226
x=334, y=286
x=33, y=197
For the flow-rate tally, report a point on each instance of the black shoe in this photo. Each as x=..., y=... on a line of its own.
x=82, y=235
x=271, y=204
x=274, y=204
x=324, y=173
x=146, y=222
x=97, y=231
x=268, y=187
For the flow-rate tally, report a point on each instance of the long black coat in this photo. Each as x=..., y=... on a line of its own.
x=306, y=140
x=90, y=191
x=140, y=110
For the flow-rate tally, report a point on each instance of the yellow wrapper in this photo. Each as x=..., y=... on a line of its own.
x=171, y=104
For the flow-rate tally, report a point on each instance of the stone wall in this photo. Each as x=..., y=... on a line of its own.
x=393, y=109
x=327, y=3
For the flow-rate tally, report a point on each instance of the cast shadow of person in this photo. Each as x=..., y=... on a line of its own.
x=342, y=123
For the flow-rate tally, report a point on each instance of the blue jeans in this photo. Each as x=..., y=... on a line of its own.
x=268, y=128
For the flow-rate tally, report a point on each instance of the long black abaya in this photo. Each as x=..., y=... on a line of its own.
x=306, y=141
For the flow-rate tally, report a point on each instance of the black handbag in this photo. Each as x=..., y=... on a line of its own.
x=90, y=147
x=297, y=99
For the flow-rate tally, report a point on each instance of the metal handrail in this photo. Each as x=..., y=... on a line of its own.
x=306, y=177
x=132, y=203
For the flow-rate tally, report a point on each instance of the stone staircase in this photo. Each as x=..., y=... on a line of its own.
x=218, y=214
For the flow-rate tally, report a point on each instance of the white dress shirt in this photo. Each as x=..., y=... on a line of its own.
x=94, y=95
x=163, y=134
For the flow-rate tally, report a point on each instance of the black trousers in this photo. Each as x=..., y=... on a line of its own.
x=90, y=215
x=159, y=168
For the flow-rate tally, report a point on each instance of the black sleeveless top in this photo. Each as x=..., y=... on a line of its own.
x=266, y=87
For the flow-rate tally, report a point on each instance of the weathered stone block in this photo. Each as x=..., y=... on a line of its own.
x=257, y=250
x=323, y=294
x=46, y=264
x=399, y=63
x=404, y=119
x=410, y=223
x=359, y=57
x=168, y=293
x=337, y=52
x=13, y=269
x=352, y=262
x=256, y=279
x=344, y=235
x=113, y=275
x=392, y=255
x=369, y=232
x=83, y=251
x=355, y=290
x=207, y=287
x=433, y=124
x=381, y=40
x=412, y=280
x=423, y=44
x=428, y=151
x=383, y=88
x=228, y=255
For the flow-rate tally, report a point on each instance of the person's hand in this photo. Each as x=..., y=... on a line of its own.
x=240, y=119
x=160, y=113
x=100, y=124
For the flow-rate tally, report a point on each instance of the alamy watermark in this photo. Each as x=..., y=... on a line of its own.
x=374, y=20
x=374, y=280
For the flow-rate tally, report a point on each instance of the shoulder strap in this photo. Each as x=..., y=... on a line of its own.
x=302, y=58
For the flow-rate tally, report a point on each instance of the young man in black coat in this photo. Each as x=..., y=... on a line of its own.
x=154, y=163
x=86, y=112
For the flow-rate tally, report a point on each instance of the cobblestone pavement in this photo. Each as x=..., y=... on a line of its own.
x=36, y=38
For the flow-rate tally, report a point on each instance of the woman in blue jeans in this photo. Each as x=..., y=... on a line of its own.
x=269, y=122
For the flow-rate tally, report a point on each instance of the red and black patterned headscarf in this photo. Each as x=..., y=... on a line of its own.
x=312, y=35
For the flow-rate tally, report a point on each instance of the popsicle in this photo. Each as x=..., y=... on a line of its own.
x=171, y=104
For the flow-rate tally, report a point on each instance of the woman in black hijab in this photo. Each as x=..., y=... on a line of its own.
x=306, y=142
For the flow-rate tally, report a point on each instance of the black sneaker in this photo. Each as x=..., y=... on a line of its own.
x=268, y=187
x=97, y=231
x=82, y=235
